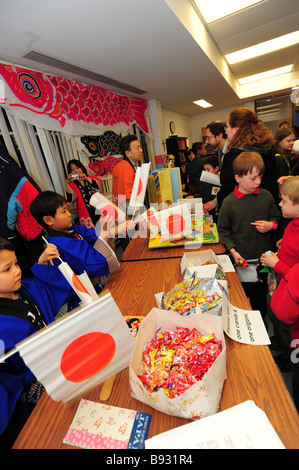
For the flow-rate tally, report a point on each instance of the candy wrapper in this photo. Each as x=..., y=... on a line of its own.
x=175, y=360
x=194, y=296
x=194, y=386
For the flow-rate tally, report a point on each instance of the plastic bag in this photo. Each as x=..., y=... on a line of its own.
x=194, y=296
x=272, y=281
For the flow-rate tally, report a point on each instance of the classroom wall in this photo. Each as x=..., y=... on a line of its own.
x=182, y=124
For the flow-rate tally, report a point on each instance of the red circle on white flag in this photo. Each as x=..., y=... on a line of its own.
x=109, y=210
x=152, y=217
x=175, y=224
x=140, y=186
x=86, y=356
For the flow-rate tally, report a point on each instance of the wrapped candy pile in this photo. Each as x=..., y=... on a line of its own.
x=186, y=296
x=175, y=360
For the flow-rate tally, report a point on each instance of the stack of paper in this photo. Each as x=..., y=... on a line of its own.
x=244, y=426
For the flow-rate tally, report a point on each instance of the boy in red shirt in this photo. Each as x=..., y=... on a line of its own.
x=282, y=262
x=285, y=306
x=288, y=254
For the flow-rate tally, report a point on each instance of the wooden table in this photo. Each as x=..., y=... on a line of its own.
x=138, y=250
x=251, y=372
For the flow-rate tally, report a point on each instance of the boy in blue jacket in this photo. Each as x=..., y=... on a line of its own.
x=74, y=242
x=26, y=306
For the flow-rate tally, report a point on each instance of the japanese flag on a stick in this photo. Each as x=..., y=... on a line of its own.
x=106, y=207
x=139, y=186
x=175, y=222
x=80, y=351
x=81, y=284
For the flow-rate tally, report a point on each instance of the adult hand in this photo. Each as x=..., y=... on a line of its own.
x=208, y=206
x=73, y=176
x=69, y=179
x=83, y=177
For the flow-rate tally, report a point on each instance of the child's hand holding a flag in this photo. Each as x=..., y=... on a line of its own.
x=50, y=253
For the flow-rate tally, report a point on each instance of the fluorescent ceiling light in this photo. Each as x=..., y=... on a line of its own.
x=214, y=9
x=269, y=111
x=266, y=116
x=267, y=74
x=263, y=48
x=203, y=103
x=268, y=105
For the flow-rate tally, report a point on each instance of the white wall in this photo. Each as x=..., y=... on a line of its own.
x=182, y=125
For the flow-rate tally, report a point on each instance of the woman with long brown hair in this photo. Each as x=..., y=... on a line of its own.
x=246, y=132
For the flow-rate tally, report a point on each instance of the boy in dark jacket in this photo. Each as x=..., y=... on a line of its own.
x=74, y=242
x=26, y=306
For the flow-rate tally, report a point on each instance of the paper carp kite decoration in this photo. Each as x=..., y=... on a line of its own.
x=59, y=104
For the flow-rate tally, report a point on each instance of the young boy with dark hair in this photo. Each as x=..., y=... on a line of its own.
x=26, y=306
x=74, y=242
x=246, y=219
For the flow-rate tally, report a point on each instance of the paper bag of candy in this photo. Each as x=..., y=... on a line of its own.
x=178, y=365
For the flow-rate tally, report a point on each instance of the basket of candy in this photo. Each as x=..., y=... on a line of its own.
x=179, y=363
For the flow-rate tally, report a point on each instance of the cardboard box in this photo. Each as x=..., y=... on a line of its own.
x=197, y=258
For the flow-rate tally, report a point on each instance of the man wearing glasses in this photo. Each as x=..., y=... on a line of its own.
x=216, y=137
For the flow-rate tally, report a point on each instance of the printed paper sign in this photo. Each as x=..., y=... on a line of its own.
x=244, y=326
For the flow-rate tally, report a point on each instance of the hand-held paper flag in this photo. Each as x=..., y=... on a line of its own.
x=106, y=207
x=175, y=222
x=80, y=351
x=139, y=186
x=85, y=280
x=80, y=283
x=76, y=283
